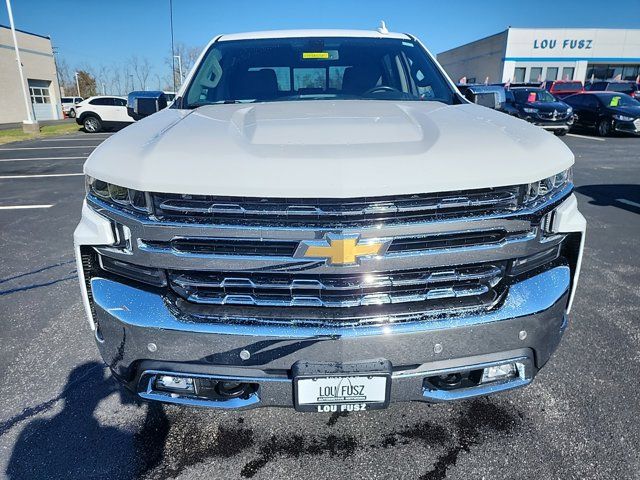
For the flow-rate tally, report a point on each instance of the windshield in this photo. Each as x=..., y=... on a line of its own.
x=567, y=87
x=532, y=95
x=288, y=69
x=619, y=101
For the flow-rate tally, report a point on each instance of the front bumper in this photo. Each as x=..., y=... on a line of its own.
x=138, y=334
x=632, y=128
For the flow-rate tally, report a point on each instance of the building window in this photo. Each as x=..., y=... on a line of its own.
x=535, y=74
x=552, y=73
x=567, y=73
x=611, y=72
x=519, y=74
x=39, y=95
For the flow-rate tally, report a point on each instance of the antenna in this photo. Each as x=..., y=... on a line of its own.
x=383, y=28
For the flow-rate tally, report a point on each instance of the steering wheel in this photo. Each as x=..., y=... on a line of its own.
x=380, y=88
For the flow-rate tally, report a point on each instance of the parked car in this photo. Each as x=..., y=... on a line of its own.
x=492, y=96
x=607, y=112
x=563, y=88
x=314, y=226
x=630, y=88
x=69, y=105
x=539, y=107
x=102, y=112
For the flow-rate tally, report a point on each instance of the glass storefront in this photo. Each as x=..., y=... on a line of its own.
x=608, y=72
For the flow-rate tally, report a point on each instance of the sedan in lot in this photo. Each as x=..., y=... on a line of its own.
x=607, y=112
x=539, y=107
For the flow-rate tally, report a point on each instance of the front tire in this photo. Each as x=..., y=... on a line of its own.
x=604, y=128
x=92, y=124
x=72, y=113
x=561, y=133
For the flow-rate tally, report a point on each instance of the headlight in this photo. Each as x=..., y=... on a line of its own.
x=569, y=111
x=530, y=110
x=126, y=197
x=548, y=186
x=623, y=118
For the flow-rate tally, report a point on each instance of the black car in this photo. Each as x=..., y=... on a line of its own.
x=491, y=96
x=606, y=112
x=539, y=107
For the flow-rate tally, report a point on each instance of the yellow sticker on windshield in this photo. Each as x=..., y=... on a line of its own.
x=615, y=101
x=315, y=55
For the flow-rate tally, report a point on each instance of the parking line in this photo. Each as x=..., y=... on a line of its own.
x=23, y=207
x=39, y=158
x=43, y=148
x=75, y=139
x=585, y=136
x=628, y=202
x=8, y=177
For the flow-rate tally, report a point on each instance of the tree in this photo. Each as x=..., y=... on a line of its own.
x=188, y=56
x=141, y=68
x=87, y=84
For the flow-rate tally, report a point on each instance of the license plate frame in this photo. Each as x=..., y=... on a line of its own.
x=376, y=373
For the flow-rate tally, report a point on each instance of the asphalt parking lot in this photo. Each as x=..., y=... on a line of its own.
x=62, y=416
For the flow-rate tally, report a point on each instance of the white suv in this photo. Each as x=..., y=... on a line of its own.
x=102, y=112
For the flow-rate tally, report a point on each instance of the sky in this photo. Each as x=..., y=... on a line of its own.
x=106, y=32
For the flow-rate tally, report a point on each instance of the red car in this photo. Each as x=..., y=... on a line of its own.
x=563, y=88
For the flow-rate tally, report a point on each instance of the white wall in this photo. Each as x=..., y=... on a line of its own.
x=38, y=64
x=479, y=59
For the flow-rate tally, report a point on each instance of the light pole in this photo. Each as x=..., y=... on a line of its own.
x=179, y=68
x=30, y=125
x=173, y=53
x=77, y=84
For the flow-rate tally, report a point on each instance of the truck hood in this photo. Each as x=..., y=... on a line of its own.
x=331, y=149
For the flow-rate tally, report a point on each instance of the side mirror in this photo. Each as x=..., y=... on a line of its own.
x=142, y=104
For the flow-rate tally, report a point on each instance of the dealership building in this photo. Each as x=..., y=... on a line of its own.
x=537, y=54
x=39, y=69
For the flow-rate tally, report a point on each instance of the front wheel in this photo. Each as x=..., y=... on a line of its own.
x=561, y=133
x=604, y=127
x=72, y=113
x=92, y=124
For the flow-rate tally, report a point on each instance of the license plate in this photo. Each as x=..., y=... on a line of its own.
x=342, y=393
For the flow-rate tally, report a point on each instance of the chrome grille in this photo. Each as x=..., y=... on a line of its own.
x=284, y=248
x=477, y=283
x=335, y=212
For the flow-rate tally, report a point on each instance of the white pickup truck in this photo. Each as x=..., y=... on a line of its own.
x=320, y=220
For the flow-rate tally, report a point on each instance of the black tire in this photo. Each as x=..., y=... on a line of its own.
x=604, y=127
x=72, y=113
x=561, y=133
x=92, y=124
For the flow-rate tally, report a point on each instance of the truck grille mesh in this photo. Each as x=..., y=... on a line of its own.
x=476, y=283
x=312, y=212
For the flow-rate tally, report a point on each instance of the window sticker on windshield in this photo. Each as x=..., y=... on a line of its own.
x=315, y=55
x=615, y=101
x=532, y=97
x=325, y=55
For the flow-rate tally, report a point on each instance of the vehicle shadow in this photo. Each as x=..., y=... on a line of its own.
x=624, y=196
x=73, y=444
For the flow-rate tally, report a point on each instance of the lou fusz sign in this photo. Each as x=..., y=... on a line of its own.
x=564, y=44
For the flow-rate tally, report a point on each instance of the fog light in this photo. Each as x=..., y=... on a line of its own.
x=499, y=372
x=170, y=383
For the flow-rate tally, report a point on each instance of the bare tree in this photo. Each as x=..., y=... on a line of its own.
x=141, y=68
x=188, y=56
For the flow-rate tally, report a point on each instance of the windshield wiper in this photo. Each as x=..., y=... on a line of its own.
x=219, y=102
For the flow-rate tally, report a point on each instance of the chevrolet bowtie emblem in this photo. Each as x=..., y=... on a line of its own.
x=341, y=249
